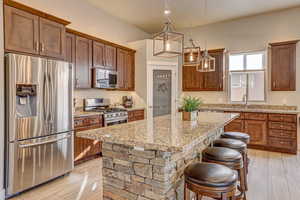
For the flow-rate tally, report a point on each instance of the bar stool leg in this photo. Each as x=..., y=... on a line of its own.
x=224, y=196
x=242, y=176
x=186, y=192
x=198, y=197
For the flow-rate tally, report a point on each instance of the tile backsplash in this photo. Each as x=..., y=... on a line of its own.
x=114, y=96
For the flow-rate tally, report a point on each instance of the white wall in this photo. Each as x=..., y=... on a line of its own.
x=86, y=18
x=252, y=33
x=1, y=102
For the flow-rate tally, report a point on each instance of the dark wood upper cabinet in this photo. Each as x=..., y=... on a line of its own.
x=191, y=79
x=104, y=56
x=208, y=81
x=126, y=69
x=21, y=31
x=28, y=31
x=70, y=48
x=121, y=65
x=98, y=54
x=110, y=57
x=283, y=66
x=52, y=39
x=83, y=67
x=213, y=81
x=130, y=71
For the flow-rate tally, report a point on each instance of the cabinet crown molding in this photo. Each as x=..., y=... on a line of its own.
x=35, y=12
x=69, y=30
x=284, y=43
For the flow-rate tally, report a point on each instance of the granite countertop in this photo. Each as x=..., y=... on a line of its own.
x=165, y=133
x=251, y=108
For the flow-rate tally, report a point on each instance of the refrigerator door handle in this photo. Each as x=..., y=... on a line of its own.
x=44, y=142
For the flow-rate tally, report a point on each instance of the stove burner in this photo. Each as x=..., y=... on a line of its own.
x=110, y=115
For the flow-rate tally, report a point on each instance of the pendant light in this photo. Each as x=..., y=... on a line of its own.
x=207, y=62
x=192, y=54
x=168, y=43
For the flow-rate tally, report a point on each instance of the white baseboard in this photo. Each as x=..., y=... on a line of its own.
x=2, y=194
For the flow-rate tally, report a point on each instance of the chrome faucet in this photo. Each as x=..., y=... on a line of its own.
x=245, y=99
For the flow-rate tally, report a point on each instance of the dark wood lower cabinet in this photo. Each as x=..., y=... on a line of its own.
x=257, y=131
x=273, y=132
x=86, y=149
x=136, y=115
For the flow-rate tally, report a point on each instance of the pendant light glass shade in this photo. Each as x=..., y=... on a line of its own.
x=207, y=63
x=168, y=43
x=192, y=55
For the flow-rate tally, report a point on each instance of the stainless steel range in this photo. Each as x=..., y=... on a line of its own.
x=111, y=116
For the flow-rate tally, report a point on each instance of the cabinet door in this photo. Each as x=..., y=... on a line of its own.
x=98, y=54
x=83, y=63
x=70, y=48
x=191, y=79
x=130, y=71
x=121, y=66
x=257, y=131
x=52, y=39
x=110, y=57
x=213, y=81
x=21, y=31
x=283, y=67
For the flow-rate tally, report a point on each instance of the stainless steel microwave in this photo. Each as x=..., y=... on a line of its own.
x=104, y=79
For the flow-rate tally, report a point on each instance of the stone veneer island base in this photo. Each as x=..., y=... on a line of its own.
x=145, y=160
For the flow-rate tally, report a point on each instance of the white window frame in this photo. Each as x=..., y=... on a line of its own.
x=264, y=53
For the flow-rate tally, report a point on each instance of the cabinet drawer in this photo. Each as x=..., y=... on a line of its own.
x=256, y=116
x=282, y=133
x=283, y=118
x=283, y=126
x=87, y=121
x=93, y=120
x=139, y=113
x=78, y=122
x=283, y=143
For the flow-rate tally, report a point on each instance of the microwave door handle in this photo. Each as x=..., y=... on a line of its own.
x=44, y=142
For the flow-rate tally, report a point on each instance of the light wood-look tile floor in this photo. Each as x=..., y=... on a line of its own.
x=272, y=176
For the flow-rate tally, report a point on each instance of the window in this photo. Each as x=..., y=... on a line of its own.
x=247, y=77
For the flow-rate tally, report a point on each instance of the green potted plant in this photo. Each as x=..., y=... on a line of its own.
x=190, y=106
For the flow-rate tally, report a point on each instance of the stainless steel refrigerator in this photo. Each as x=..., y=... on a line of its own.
x=39, y=121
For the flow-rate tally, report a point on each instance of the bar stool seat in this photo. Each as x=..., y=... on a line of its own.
x=210, y=175
x=210, y=180
x=231, y=143
x=237, y=135
x=230, y=158
x=222, y=154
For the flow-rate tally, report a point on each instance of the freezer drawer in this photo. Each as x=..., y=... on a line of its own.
x=32, y=162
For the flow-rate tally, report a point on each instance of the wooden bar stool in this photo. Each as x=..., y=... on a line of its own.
x=229, y=158
x=236, y=145
x=237, y=136
x=209, y=180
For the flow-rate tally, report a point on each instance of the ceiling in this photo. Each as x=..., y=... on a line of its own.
x=148, y=14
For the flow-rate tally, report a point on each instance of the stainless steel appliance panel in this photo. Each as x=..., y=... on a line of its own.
x=32, y=162
x=25, y=70
x=105, y=79
x=60, y=96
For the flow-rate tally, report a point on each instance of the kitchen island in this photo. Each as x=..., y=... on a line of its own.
x=145, y=159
